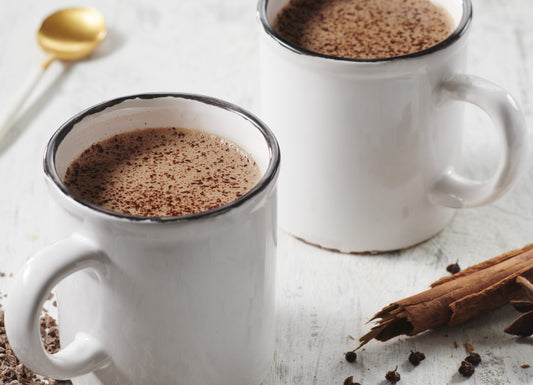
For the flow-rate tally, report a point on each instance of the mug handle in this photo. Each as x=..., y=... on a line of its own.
x=455, y=191
x=27, y=295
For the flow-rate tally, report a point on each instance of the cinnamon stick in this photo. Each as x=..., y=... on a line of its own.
x=457, y=298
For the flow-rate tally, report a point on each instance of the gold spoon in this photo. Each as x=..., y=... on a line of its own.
x=68, y=34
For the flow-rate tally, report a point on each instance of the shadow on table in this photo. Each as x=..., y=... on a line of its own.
x=49, y=85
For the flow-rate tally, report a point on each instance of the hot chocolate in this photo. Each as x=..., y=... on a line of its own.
x=364, y=29
x=161, y=172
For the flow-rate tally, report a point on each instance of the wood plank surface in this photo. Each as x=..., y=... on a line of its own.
x=211, y=47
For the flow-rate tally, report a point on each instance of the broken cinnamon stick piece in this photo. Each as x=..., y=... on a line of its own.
x=455, y=299
x=523, y=325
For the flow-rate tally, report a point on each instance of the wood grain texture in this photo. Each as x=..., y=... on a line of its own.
x=211, y=47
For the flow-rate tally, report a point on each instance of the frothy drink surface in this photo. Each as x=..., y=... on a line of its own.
x=162, y=172
x=364, y=29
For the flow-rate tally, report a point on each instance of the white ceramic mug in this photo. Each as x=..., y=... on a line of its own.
x=369, y=145
x=176, y=300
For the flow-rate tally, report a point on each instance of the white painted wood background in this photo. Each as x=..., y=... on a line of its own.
x=211, y=47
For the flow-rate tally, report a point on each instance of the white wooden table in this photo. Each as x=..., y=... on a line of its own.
x=210, y=47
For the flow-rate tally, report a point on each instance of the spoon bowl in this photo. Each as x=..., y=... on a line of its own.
x=71, y=34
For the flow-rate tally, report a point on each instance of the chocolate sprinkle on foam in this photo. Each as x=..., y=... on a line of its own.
x=363, y=29
x=162, y=172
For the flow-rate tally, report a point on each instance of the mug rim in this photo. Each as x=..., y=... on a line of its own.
x=268, y=177
x=462, y=27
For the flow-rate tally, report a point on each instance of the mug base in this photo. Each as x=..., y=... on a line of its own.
x=368, y=251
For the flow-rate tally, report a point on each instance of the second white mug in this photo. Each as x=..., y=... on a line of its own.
x=369, y=144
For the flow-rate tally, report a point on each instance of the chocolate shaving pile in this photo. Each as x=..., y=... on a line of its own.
x=12, y=371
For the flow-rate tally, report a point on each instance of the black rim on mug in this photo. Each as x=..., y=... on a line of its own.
x=462, y=27
x=267, y=178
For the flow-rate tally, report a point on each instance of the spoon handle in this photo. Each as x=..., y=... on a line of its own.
x=9, y=116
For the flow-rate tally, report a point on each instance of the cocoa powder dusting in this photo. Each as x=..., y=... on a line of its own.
x=161, y=172
x=12, y=371
x=363, y=29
